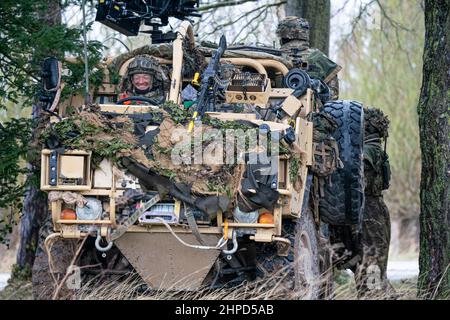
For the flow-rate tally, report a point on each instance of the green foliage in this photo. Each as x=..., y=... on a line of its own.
x=224, y=125
x=15, y=136
x=382, y=67
x=28, y=35
x=177, y=114
x=219, y=187
x=78, y=133
x=160, y=149
x=20, y=274
x=165, y=172
x=31, y=31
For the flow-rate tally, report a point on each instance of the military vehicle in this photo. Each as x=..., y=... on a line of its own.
x=181, y=227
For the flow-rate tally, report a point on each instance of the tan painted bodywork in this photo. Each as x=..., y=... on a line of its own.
x=166, y=264
x=159, y=258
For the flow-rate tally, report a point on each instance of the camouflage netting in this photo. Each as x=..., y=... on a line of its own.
x=293, y=27
x=116, y=138
x=376, y=122
x=194, y=60
x=89, y=130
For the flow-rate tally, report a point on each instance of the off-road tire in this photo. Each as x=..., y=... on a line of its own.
x=299, y=275
x=308, y=281
x=343, y=199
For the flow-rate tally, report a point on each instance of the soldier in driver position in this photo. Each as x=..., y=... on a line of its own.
x=145, y=77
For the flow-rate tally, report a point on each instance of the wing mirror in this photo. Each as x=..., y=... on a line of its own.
x=51, y=83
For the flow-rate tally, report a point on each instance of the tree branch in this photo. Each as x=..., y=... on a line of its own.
x=264, y=7
x=394, y=23
x=340, y=9
x=224, y=4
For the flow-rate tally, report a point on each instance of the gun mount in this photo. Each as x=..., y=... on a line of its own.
x=127, y=16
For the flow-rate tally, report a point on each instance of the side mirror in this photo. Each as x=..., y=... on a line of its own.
x=51, y=74
x=51, y=83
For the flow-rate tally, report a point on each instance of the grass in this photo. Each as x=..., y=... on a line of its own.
x=345, y=288
x=17, y=290
x=132, y=287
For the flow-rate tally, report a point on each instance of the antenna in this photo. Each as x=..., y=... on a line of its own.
x=87, y=98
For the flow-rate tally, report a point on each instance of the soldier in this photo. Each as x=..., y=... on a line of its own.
x=294, y=40
x=144, y=77
x=370, y=275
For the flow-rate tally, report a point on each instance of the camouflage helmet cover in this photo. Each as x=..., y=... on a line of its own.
x=144, y=64
x=376, y=122
x=293, y=28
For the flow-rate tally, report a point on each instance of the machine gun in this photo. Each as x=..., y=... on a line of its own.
x=126, y=16
x=208, y=85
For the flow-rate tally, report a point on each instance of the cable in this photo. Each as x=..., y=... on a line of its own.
x=219, y=245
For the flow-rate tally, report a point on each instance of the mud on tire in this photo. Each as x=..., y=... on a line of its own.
x=343, y=198
x=302, y=274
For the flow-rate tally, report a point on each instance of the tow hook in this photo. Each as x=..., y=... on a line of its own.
x=235, y=245
x=99, y=247
x=283, y=246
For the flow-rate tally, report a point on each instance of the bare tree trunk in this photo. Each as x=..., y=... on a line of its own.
x=434, y=118
x=317, y=12
x=35, y=208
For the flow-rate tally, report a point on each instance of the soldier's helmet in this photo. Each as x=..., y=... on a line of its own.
x=145, y=64
x=376, y=122
x=293, y=28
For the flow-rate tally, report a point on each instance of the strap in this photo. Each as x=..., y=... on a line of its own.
x=192, y=223
x=121, y=229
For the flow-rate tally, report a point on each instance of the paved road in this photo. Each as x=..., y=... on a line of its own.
x=398, y=270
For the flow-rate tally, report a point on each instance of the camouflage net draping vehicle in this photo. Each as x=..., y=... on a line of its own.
x=111, y=180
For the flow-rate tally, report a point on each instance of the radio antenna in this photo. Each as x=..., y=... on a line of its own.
x=86, y=62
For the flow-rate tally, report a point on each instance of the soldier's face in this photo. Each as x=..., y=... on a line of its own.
x=142, y=81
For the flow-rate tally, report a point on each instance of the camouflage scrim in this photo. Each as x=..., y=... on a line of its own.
x=376, y=122
x=373, y=168
x=333, y=84
x=371, y=279
x=376, y=161
x=293, y=28
x=325, y=148
x=293, y=33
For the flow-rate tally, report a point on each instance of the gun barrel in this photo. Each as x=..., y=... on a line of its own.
x=207, y=83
